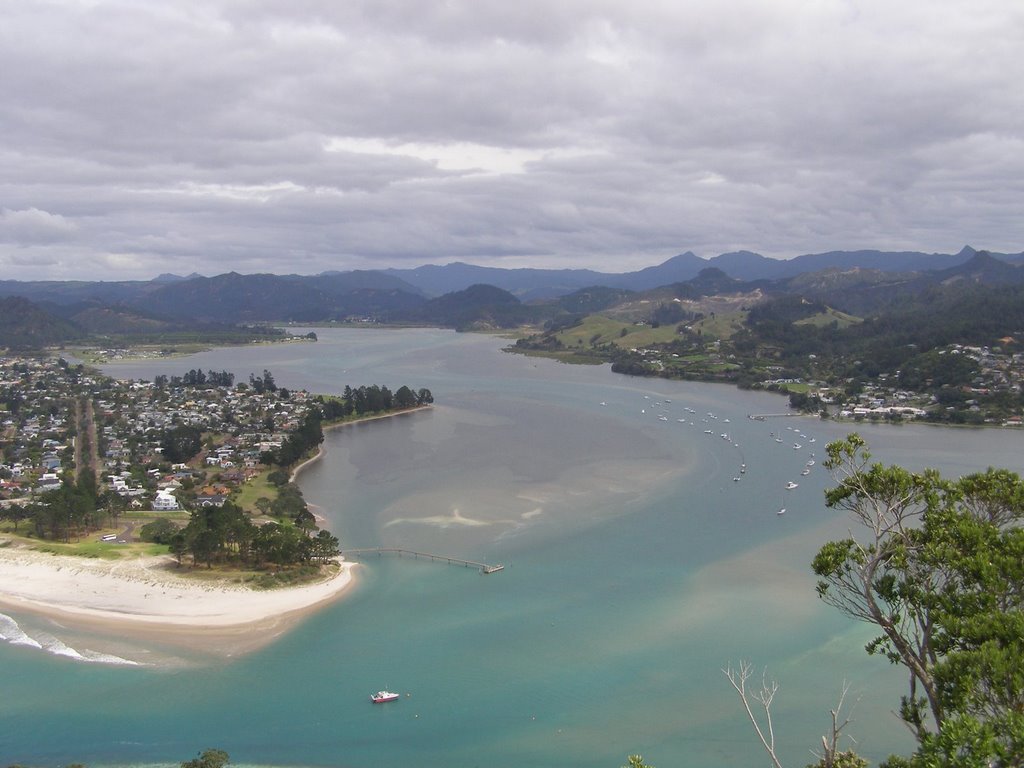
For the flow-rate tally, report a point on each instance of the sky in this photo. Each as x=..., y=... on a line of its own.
x=140, y=137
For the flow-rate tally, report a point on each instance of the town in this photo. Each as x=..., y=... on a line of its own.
x=173, y=444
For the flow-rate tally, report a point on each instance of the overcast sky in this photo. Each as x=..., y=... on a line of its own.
x=146, y=136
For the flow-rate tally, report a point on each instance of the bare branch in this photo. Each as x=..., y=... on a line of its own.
x=738, y=677
x=830, y=741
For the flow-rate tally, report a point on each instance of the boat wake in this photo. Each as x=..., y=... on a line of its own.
x=12, y=633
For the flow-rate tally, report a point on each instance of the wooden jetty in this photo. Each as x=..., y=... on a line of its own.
x=484, y=567
x=763, y=416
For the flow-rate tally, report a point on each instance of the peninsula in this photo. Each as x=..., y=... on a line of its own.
x=146, y=598
x=168, y=508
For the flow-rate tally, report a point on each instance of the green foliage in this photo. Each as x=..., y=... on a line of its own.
x=181, y=443
x=848, y=759
x=62, y=514
x=940, y=572
x=279, y=477
x=210, y=758
x=159, y=531
x=301, y=441
x=636, y=761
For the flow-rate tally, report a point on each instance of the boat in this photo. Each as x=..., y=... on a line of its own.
x=810, y=463
x=782, y=511
x=381, y=697
x=806, y=472
x=790, y=485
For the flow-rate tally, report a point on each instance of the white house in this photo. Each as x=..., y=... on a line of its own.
x=164, y=502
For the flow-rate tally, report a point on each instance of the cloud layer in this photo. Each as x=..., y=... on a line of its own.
x=209, y=135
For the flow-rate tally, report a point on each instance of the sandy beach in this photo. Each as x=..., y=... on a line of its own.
x=146, y=597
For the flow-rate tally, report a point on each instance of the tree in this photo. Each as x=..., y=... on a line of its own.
x=181, y=443
x=404, y=397
x=760, y=699
x=939, y=570
x=210, y=758
x=305, y=521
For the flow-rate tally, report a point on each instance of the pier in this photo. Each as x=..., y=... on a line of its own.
x=484, y=567
x=763, y=416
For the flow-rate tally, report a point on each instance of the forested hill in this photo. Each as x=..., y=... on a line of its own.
x=24, y=325
x=61, y=312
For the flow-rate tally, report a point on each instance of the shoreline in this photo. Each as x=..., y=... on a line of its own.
x=144, y=599
x=338, y=425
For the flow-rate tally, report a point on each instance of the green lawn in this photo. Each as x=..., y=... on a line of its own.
x=257, y=487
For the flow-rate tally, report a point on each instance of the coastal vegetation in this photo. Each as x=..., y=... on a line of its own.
x=936, y=567
x=841, y=324
x=806, y=346
x=181, y=439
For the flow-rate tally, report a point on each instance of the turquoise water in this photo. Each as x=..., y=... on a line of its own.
x=636, y=568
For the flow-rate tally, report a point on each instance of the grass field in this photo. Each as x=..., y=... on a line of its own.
x=842, y=319
x=602, y=330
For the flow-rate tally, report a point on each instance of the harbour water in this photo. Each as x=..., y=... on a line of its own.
x=636, y=567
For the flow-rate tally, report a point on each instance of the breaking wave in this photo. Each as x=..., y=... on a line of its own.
x=12, y=633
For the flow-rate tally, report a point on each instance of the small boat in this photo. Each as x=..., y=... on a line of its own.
x=790, y=485
x=806, y=472
x=381, y=697
x=781, y=511
x=810, y=463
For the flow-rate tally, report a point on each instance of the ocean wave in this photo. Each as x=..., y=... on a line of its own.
x=11, y=632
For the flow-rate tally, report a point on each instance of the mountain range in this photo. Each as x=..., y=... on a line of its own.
x=464, y=295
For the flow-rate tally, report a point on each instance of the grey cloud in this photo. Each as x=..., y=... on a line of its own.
x=32, y=225
x=199, y=134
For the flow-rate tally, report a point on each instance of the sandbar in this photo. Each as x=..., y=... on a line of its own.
x=147, y=597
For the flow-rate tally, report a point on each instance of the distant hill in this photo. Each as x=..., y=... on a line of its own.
x=525, y=284
x=869, y=291
x=461, y=295
x=479, y=307
x=25, y=325
x=252, y=298
x=533, y=284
